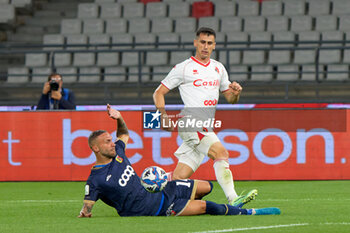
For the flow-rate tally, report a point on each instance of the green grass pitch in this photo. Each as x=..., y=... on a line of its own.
x=307, y=206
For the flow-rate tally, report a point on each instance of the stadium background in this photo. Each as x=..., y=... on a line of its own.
x=292, y=122
x=285, y=53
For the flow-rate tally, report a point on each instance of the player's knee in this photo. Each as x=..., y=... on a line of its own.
x=223, y=154
x=203, y=188
x=182, y=171
x=218, y=151
x=179, y=176
x=203, y=207
x=207, y=188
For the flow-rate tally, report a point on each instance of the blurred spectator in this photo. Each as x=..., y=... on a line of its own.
x=54, y=96
x=3, y=36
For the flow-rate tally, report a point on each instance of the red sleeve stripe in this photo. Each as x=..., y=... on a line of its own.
x=164, y=85
x=225, y=90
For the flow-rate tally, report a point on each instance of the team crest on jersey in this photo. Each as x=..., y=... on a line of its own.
x=119, y=159
x=217, y=70
x=195, y=71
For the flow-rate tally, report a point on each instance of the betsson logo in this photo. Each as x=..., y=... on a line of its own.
x=245, y=152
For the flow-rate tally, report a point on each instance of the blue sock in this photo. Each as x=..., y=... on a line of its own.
x=234, y=210
x=211, y=187
x=222, y=209
x=249, y=211
x=215, y=209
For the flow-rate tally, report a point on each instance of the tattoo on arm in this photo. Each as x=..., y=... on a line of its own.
x=87, y=208
x=122, y=129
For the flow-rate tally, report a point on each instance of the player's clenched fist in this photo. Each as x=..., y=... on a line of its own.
x=236, y=88
x=114, y=114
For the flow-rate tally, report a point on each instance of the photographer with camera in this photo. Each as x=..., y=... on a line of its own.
x=54, y=96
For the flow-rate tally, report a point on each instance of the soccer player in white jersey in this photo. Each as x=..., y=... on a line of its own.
x=200, y=81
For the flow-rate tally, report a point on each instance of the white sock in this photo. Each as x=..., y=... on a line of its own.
x=224, y=177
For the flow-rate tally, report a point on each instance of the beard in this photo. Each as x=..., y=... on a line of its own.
x=110, y=155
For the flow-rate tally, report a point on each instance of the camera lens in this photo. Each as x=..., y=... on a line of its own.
x=54, y=85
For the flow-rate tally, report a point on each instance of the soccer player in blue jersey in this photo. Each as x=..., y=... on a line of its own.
x=114, y=181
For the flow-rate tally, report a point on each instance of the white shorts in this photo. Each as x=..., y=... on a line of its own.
x=195, y=147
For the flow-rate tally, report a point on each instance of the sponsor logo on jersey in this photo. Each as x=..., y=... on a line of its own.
x=210, y=102
x=119, y=159
x=151, y=120
x=125, y=177
x=203, y=83
x=108, y=177
x=217, y=70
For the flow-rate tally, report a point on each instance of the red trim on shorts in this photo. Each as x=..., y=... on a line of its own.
x=200, y=135
x=200, y=63
x=165, y=86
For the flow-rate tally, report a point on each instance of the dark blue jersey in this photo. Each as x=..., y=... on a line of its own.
x=117, y=185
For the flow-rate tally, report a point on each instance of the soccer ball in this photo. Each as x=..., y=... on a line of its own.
x=154, y=179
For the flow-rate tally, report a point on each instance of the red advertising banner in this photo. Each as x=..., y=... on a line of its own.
x=300, y=144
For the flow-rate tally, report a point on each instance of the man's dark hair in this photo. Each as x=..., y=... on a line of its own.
x=53, y=75
x=207, y=31
x=94, y=135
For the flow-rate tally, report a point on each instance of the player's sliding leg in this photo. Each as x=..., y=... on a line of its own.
x=203, y=188
x=197, y=207
x=222, y=173
x=223, y=209
x=267, y=211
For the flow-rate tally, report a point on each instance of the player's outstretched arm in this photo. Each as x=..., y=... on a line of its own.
x=233, y=93
x=86, y=210
x=122, y=129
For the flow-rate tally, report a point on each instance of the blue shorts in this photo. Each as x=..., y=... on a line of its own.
x=177, y=194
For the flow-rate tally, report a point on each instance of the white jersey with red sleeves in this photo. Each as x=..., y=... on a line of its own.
x=199, y=84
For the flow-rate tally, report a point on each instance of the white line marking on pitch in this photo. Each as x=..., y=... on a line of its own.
x=305, y=199
x=254, y=228
x=336, y=223
x=40, y=201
